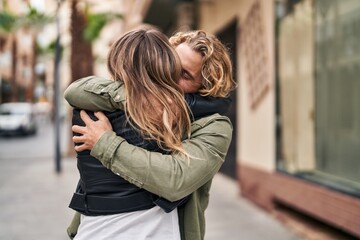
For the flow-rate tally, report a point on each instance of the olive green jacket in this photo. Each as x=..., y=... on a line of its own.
x=170, y=176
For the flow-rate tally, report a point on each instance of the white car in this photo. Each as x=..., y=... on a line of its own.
x=17, y=118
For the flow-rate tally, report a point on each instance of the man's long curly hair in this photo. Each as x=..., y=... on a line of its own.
x=216, y=70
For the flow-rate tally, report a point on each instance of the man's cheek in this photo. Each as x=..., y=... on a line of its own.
x=182, y=84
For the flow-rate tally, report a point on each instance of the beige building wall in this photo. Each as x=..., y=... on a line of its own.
x=256, y=139
x=24, y=39
x=25, y=42
x=216, y=14
x=133, y=12
x=6, y=57
x=256, y=125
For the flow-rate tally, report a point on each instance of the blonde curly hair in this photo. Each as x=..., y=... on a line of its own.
x=216, y=70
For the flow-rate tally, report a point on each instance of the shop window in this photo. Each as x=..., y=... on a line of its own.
x=318, y=91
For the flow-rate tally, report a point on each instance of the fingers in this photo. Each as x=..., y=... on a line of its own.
x=80, y=148
x=91, y=133
x=103, y=122
x=100, y=116
x=78, y=129
x=85, y=117
x=78, y=139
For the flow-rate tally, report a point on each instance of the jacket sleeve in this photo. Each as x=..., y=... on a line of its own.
x=74, y=225
x=170, y=176
x=96, y=94
x=100, y=94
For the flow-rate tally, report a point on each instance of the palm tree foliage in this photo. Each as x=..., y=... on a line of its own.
x=85, y=28
x=10, y=22
x=96, y=23
x=35, y=19
x=7, y=21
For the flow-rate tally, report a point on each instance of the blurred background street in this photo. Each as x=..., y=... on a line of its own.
x=34, y=198
x=293, y=167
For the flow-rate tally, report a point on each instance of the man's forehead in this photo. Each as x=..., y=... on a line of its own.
x=191, y=61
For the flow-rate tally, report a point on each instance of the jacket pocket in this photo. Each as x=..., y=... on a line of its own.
x=99, y=89
x=117, y=95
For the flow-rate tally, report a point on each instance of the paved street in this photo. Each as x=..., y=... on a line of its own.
x=231, y=217
x=34, y=199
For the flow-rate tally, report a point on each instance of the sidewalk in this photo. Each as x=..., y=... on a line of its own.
x=231, y=217
x=34, y=199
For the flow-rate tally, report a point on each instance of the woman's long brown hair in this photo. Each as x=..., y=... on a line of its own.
x=150, y=68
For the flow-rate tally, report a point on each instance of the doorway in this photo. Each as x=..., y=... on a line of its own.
x=228, y=36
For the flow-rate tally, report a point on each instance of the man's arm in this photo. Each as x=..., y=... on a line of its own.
x=164, y=174
x=170, y=176
x=96, y=94
x=100, y=94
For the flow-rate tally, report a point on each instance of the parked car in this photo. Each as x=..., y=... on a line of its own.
x=17, y=118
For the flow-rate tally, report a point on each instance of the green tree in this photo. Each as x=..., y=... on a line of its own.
x=85, y=28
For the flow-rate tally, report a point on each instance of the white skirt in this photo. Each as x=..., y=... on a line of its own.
x=151, y=224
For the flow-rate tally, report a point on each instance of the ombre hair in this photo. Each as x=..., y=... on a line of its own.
x=150, y=68
x=216, y=70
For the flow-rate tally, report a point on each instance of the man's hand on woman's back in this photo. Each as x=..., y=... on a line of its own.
x=92, y=131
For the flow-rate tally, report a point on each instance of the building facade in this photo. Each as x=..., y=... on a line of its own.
x=17, y=58
x=26, y=57
x=297, y=125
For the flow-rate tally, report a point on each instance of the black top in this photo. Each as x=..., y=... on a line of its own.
x=100, y=191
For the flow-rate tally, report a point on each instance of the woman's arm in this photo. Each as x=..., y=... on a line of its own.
x=170, y=176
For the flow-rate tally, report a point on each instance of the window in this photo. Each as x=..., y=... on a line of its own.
x=318, y=91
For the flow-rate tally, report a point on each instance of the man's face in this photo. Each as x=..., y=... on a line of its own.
x=191, y=61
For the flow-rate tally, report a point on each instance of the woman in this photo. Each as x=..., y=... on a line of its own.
x=148, y=67
x=143, y=64
x=169, y=175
